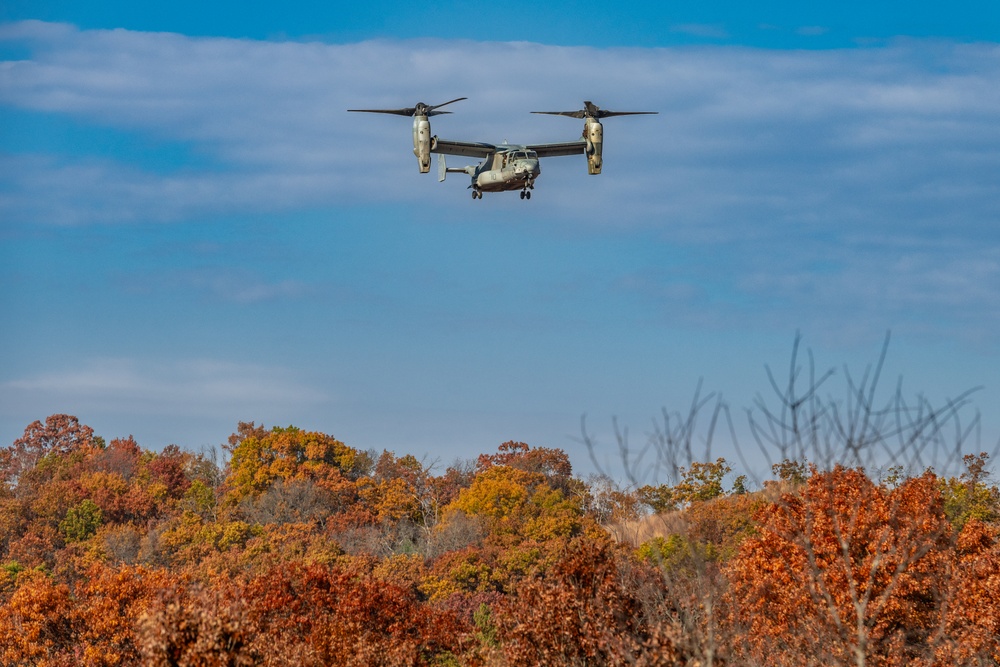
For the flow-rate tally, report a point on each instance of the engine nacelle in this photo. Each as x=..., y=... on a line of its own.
x=422, y=142
x=593, y=132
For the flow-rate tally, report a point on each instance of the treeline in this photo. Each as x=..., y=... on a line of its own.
x=301, y=550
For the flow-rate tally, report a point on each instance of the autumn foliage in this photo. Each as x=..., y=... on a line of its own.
x=850, y=572
x=301, y=550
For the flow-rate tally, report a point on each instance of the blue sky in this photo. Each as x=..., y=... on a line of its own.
x=193, y=232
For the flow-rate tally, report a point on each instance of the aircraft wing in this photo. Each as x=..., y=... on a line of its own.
x=466, y=148
x=578, y=147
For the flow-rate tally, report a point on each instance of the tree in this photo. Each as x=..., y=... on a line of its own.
x=36, y=623
x=549, y=462
x=859, y=430
x=970, y=496
x=169, y=468
x=258, y=461
x=845, y=572
x=315, y=616
x=190, y=626
x=59, y=435
x=81, y=521
x=514, y=502
x=701, y=481
x=107, y=604
x=970, y=634
x=552, y=464
x=589, y=610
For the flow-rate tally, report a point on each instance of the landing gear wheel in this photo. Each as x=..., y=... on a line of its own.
x=476, y=194
x=522, y=194
x=527, y=194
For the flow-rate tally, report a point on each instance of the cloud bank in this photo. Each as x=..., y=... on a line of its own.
x=747, y=140
x=200, y=387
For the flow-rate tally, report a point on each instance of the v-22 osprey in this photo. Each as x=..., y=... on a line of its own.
x=504, y=167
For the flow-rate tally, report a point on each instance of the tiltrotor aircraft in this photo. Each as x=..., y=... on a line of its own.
x=504, y=166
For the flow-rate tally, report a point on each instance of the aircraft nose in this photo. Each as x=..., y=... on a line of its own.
x=529, y=168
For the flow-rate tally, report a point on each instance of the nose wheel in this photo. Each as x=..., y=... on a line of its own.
x=477, y=194
x=529, y=185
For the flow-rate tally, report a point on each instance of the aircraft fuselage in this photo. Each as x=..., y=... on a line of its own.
x=507, y=170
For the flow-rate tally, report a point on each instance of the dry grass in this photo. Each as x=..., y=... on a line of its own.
x=646, y=528
x=641, y=530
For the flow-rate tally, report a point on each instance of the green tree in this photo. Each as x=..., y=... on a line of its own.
x=702, y=481
x=970, y=496
x=81, y=521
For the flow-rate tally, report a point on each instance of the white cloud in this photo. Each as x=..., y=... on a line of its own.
x=241, y=286
x=194, y=387
x=709, y=30
x=811, y=30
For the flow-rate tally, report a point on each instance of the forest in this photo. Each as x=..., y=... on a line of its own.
x=874, y=541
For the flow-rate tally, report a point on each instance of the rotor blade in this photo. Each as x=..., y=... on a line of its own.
x=419, y=109
x=398, y=112
x=444, y=104
x=571, y=114
x=591, y=110
x=601, y=113
x=597, y=112
x=609, y=114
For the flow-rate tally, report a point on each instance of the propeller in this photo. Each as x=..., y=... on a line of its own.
x=420, y=109
x=591, y=110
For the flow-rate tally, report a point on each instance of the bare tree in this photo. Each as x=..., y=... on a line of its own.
x=854, y=568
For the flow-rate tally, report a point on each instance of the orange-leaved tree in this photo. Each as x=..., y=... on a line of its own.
x=594, y=607
x=36, y=623
x=317, y=615
x=846, y=572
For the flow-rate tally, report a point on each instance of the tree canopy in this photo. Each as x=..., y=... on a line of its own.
x=302, y=550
